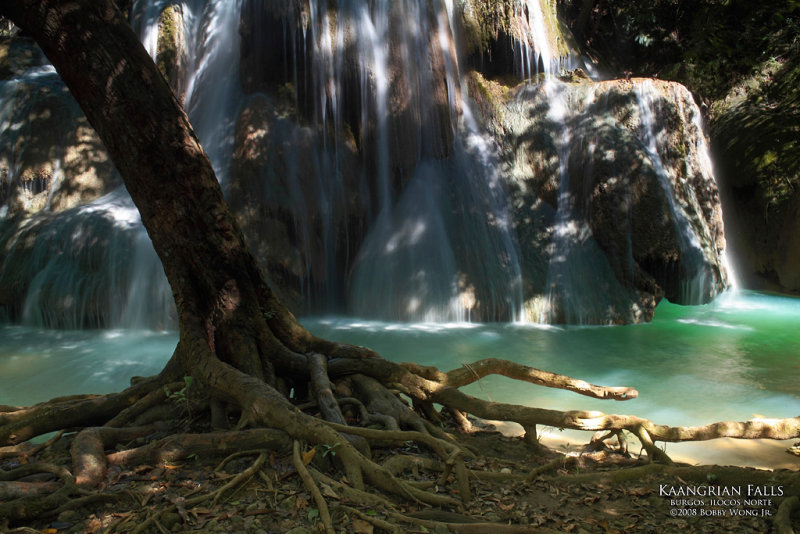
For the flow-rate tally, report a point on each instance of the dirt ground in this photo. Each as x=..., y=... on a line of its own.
x=604, y=491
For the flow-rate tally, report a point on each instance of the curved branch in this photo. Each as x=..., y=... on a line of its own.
x=471, y=372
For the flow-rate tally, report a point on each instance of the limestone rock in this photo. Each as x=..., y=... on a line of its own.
x=608, y=224
x=279, y=188
x=50, y=158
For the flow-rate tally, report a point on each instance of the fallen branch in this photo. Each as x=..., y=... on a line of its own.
x=471, y=372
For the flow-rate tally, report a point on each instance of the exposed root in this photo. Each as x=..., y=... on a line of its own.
x=653, y=452
x=37, y=467
x=380, y=523
x=151, y=400
x=326, y=402
x=15, y=490
x=25, y=450
x=88, y=451
x=460, y=417
x=68, y=412
x=312, y=488
x=477, y=527
x=379, y=400
x=387, y=437
x=562, y=462
x=398, y=463
x=180, y=446
x=351, y=494
x=241, y=478
x=472, y=372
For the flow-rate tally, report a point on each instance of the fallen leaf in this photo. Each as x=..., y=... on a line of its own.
x=300, y=504
x=506, y=507
x=362, y=527
x=308, y=456
x=327, y=491
x=93, y=526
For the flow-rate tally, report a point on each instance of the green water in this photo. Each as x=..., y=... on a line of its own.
x=734, y=359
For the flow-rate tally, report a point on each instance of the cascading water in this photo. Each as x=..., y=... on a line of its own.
x=573, y=271
x=80, y=272
x=14, y=128
x=446, y=249
x=695, y=283
x=593, y=172
x=539, y=46
x=346, y=139
x=429, y=236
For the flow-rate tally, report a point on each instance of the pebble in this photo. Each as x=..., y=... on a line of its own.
x=237, y=522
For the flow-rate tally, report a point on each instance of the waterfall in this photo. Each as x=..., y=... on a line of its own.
x=350, y=141
x=539, y=44
x=15, y=129
x=428, y=237
x=695, y=277
x=618, y=209
x=445, y=250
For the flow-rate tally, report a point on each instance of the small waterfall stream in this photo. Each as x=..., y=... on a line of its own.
x=694, y=279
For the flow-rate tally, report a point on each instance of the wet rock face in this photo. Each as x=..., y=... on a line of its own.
x=279, y=174
x=615, y=200
x=603, y=202
x=50, y=158
x=388, y=83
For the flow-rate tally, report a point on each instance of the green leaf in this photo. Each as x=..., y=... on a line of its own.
x=313, y=513
x=371, y=512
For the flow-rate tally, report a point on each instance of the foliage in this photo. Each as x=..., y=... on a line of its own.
x=709, y=45
x=487, y=20
x=182, y=395
x=7, y=28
